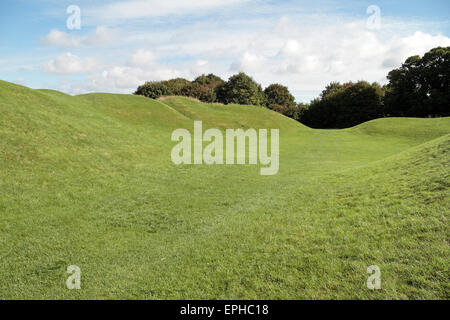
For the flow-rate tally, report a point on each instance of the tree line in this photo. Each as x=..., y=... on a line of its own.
x=419, y=88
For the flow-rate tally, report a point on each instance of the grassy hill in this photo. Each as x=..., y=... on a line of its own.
x=88, y=181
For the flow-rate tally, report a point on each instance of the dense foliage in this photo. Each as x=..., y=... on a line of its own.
x=241, y=89
x=208, y=86
x=203, y=88
x=419, y=88
x=277, y=94
x=345, y=106
x=153, y=89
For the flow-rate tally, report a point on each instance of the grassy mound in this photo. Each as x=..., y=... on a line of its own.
x=88, y=180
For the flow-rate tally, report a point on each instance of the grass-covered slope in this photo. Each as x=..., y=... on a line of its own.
x=88, y=180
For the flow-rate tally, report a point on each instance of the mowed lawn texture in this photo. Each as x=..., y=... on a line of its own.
x=88, y=180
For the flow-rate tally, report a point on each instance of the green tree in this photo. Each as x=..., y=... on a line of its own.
x=241, y=89
x=191, y=89
x=209, y=80
x=276, y=94
x=153, y=90
x=347, y=106
x=294, y=111
x=209, y=85
x=177, y=86
x=421, y=86
x=332, y=87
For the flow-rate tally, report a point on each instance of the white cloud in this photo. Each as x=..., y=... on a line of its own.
x=303, y=51
x=248, y=62
x=60, y=39
x=100, y=36
x=199, y=67
x=71, y=64
x=140, y=67
x=126, y=79
x=291, y=48
x=313, y=54
x=399, y=48
x=142, y=57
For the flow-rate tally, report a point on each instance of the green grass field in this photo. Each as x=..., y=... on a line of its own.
x=88, y=181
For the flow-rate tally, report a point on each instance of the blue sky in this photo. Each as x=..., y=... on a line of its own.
x=301, y=44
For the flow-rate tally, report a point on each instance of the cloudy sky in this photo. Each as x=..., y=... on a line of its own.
x=301, y=44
